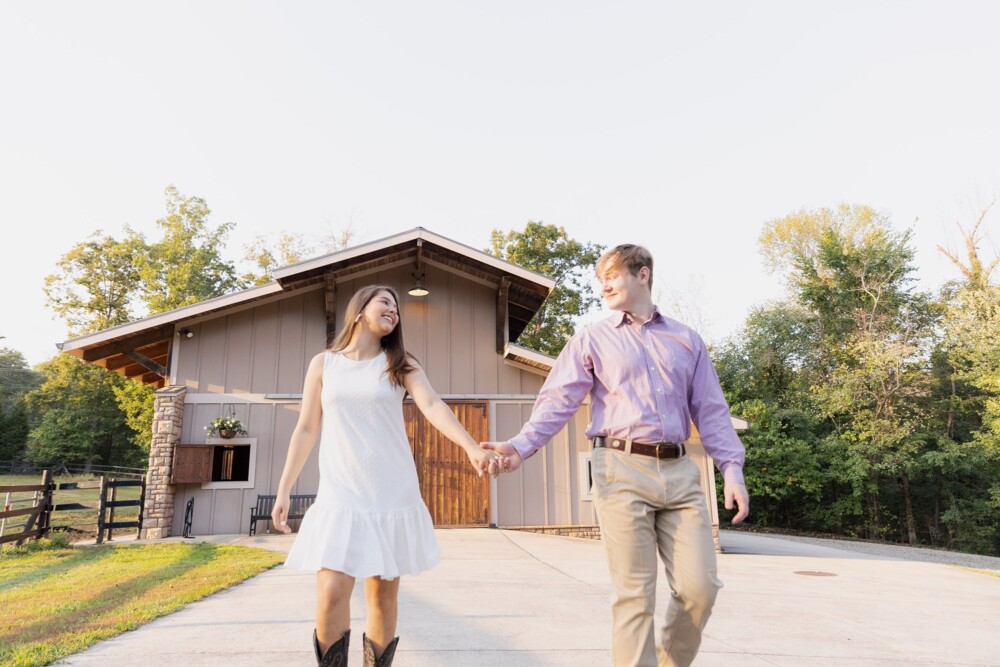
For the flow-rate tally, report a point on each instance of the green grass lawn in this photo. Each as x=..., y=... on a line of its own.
x=78, y=524
x=58, y=601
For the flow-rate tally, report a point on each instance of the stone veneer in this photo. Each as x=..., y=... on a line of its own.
x=589, y=532
x=168, y=418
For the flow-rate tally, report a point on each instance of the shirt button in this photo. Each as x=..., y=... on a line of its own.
x=659, y=390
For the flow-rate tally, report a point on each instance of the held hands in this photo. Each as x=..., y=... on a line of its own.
x=507, y=460
x=493, y=458
x=483, y=461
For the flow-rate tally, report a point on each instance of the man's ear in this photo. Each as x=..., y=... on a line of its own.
x=644, y=275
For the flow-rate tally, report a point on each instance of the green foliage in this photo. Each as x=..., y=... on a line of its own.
x=16, y=379
x=784, y=470
x=186, y=265
x=96, y=284
x=136, y=401
x=875, y=409
x=77, y=416
x=548, y=250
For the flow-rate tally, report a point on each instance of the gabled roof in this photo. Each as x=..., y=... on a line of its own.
x=141, y=349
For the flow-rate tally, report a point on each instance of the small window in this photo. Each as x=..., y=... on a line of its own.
x=586, y=476
x=232, y=463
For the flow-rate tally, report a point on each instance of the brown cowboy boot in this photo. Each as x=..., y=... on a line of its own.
x=336, y=655
x=384, y=660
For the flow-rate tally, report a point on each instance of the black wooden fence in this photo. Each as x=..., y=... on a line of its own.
x=39, y=515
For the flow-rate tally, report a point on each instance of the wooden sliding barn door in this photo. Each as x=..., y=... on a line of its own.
x=454, y=493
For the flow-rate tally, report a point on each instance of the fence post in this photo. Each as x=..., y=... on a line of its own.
x=111, y=515
x=40, y=517
x=142, y=505
x=46, y=516
x=103, y=508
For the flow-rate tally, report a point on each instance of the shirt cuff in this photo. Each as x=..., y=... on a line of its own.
x=732, y=473
x=524, y=448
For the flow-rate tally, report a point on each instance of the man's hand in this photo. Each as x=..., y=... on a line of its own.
x=737, y=491
x=508, y=460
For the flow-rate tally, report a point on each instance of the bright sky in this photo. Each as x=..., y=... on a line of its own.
x=682, y=126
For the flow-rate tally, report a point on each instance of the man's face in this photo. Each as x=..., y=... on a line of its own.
x=620, y=289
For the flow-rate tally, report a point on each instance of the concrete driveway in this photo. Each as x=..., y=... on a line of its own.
x=520, y=599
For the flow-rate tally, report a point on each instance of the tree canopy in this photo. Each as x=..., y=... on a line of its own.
x=548, y=250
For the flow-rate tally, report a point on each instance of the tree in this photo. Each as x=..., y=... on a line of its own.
x=852, y=272
x=186, y=265
x=96, y=284
x=966, y=461
x=548, y=250
x=266, y=253
x=77, y=416
x=16, y=379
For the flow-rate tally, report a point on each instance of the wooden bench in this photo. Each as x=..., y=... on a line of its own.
x=265, y=505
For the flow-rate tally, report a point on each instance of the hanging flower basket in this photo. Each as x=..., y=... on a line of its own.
x=225, y=427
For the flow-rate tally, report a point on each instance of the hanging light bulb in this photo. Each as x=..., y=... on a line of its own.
x=418, y=288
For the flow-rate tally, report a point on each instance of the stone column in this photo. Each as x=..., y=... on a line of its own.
x=168, y=418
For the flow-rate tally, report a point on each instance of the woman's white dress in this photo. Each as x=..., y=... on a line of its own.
x=368, y=518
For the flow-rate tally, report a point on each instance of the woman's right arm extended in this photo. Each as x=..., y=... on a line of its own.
x=303, y=440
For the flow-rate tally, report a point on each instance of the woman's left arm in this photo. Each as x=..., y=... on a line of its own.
x=440, y=415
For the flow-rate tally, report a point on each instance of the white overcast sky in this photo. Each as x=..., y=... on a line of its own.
x=682, y=126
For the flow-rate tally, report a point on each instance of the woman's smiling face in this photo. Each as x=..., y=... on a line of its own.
x=381, y=315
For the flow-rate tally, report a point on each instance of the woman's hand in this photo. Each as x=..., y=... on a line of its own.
x=279, y=515
x=481, y=460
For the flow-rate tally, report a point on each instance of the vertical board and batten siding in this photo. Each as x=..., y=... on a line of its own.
x=260, y=350
x=546, y=489
x=266, y=349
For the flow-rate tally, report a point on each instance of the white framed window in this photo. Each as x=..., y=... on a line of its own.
x=585, y=476
x=233, y=463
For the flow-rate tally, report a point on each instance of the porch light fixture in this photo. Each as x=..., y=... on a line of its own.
x=186, y=333
x=418, y=289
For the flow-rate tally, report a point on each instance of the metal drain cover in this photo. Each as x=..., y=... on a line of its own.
x=814, y=573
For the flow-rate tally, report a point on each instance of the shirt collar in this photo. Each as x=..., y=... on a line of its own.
x=624, y=318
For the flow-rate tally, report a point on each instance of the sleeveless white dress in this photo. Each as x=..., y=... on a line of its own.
x=368, y=518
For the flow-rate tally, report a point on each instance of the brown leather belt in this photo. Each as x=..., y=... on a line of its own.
x=660, y=450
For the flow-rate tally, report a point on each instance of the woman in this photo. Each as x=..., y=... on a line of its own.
x=368, y=519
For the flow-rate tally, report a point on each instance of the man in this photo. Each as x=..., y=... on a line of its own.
x=649, y=377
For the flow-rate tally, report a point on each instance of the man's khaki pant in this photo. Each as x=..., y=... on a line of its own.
x=647, y=505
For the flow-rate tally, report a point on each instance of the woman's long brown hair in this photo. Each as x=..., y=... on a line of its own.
x=398, y=363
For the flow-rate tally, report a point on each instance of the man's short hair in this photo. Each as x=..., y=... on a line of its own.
x=629, y=257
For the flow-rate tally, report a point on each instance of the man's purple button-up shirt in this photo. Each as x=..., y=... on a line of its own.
x=647, y=383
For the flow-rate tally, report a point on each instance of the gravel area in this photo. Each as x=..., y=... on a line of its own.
x=901, y=552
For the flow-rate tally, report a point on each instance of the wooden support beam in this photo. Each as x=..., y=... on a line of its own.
x=503, y=330
x=147, y=363
x=121, y=346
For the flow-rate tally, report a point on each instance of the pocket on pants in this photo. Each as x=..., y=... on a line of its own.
x=602, y=468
